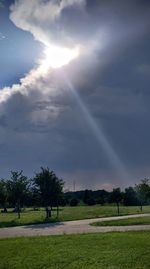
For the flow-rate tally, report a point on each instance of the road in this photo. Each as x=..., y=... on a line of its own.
x=70, y=227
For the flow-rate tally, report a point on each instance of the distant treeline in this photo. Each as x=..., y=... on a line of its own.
x=45, y=189
x=131, y=196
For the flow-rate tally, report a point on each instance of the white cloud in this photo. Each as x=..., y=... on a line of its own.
x=40, y=17
x=2, y=36
x=30, y=105
x=27, y=16
x=26, y=84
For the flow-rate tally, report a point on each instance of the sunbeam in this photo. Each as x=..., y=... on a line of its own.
x=99, y=135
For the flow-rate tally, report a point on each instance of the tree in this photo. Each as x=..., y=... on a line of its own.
x=91, y=201
x=101, y=200
x=49, y=187
x=130, y=197
x=3, y=195
x=116, y=197
x=86, y=196
x=74, y=202
x=36, y=198
x=17, y=189
x=143, y=191
x=102, y=197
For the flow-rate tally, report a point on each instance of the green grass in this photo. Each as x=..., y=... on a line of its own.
x=29, y=216
x=128, y=250
x=124, y=222
x=67, y=213
x=89, y=212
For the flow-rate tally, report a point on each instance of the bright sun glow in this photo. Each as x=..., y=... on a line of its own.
x=57, y=57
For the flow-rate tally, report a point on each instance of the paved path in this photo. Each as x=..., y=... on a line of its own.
x=70, y=227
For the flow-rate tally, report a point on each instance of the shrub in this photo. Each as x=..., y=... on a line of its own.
x=74, y=202
x=91, y=201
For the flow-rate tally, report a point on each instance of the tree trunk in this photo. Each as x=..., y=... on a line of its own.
x=5, y=209
x=57, y=211
x=57, y=208
x=48, y=212
x=118, y=211
x=18, y=211
x=141, y=207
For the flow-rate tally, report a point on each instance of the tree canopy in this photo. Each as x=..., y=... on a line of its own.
x=17, y=189
x=49, y=187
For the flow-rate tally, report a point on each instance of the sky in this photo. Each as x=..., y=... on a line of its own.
x=85, y=116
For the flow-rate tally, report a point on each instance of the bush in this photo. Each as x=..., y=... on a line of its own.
x=91, y=201
x=62, y=202
x=100, y=201
x=74, y=202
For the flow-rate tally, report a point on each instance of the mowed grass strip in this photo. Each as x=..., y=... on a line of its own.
x=98, y=211
x=29, y=216
x=124, y=222
x=87, y=251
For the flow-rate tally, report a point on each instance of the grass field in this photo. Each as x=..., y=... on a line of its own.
x=124, y=222
x=67, y=213
x=87, y=251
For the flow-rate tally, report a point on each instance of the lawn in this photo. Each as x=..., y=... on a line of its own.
x=87, y=251
x=124, y=222
x=66, y=213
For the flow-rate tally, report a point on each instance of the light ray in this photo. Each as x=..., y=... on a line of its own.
x=99, y=135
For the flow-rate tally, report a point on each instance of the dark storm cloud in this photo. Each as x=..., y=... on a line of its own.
x=43, y=124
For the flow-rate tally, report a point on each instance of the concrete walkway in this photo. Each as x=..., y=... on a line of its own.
x=71, y=227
